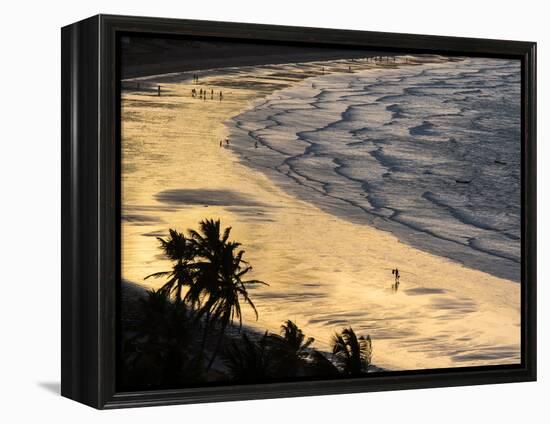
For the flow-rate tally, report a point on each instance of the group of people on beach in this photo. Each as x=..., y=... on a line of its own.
x=203, y=94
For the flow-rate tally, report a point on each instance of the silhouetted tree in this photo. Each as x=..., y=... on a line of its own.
x=180, y=251
x=219, y=286
x=295, y=338
x=158, y=353
x=353, y=354
x=248, y=361
x=291, y=350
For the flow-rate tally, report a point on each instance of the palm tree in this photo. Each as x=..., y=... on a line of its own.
x=295, y=338
x=352, y=354
x=208, y=240
x=158, y=352
x=208, y=246
x=248, y=361
x=219, y=286
x=180, y=251
x=291, y=349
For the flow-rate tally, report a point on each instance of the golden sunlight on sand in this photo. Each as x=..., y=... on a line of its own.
x=324, y=273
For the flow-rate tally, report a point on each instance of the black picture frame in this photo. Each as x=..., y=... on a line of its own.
x=90, y=222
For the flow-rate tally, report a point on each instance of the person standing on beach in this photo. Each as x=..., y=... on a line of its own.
x=221, y=95
x=158, y=91
x=227, y=141
x=212, y=95
x=395, y=273
x=395, y=285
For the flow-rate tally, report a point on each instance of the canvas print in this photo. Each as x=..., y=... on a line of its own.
x=294, y=213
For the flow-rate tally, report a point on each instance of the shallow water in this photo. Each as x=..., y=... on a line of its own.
x=430, y=153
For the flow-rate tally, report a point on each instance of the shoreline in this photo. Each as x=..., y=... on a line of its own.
x=308, y=67
x=277, y=166
x=423, y=322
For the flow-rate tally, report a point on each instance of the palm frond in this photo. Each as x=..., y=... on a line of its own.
x=158, y=274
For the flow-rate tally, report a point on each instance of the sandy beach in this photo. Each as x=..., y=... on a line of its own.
x=324, y=272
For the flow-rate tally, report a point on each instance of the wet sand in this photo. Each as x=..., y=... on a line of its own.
x=324, y=272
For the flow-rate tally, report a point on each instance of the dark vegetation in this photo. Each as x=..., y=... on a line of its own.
x=189, y=332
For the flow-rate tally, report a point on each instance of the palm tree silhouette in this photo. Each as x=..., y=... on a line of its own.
x=209, y=246
x=247, y=360
x=219, y=285
x=208, y=240
x=180, y=251
x=351, y=353
x=295, y=338
x=291, y=349
x=158, y=353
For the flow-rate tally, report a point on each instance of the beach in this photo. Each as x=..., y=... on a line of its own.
x=180, y=165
